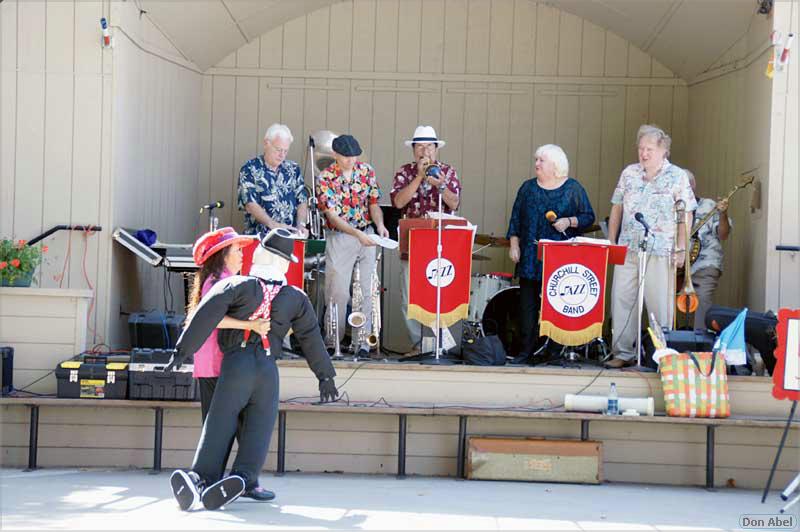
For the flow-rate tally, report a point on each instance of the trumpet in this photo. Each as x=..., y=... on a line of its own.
x=332, y=328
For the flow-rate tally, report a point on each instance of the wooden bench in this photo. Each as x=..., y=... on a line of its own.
x=401, y=411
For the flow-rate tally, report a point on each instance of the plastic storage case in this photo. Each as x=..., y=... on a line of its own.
x=155, y=329
x=148, y=380
x=93, y=377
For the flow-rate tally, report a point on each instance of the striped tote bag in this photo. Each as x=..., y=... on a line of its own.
x=695, y=385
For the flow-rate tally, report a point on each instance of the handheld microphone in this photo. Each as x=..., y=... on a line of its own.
x=215, y=205
x=639, y=217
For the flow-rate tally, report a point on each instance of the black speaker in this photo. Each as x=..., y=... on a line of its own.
x=8, y=370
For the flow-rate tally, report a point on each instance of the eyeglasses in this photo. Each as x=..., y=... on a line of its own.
x=277, y=150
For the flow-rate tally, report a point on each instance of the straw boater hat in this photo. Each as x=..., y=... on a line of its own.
x=425, y=134
x=211, y=242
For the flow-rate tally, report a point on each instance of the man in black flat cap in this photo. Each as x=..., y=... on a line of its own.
x=248, y=381
x=348, y=195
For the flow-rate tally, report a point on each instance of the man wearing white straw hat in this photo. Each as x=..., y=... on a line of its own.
x=415, y=191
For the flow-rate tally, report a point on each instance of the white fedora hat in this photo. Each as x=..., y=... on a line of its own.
x=425, y=134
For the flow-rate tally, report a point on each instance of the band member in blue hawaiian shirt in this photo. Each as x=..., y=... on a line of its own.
x=271, y=188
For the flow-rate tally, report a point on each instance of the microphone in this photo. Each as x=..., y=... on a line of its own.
x=215, y=205
x=639, y=217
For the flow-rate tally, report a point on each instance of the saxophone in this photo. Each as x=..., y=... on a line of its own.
x=332, y=328
x=357, y=319
x=375, y=294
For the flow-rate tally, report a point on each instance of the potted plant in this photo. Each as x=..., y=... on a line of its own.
x=18, y=261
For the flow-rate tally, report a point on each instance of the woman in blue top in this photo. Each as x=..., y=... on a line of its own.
x=551, y=193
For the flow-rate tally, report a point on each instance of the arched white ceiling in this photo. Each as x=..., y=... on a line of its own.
x=687, y=36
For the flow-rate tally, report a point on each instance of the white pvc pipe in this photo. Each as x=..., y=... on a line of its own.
x=646, y=406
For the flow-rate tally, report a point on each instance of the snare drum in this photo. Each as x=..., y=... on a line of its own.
x=482, y=288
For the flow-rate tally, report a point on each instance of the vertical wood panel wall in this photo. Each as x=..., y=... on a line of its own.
x=496, y=80
x=156, y=163
x=60, y=91
x=730, y=119
x=55, y=153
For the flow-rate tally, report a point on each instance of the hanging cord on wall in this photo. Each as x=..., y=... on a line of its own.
x=86, y=234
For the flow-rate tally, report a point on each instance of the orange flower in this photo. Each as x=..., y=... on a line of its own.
x=15, y=263
x=44, y=249
x=3, y=265
x=21, y=243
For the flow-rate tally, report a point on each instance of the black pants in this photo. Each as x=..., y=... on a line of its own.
x=245, y=400
x=530, y=302
x=206, y=386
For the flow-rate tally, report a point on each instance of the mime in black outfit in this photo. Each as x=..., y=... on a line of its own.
x=248, y=382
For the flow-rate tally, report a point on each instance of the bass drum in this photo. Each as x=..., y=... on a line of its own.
x=501, y=317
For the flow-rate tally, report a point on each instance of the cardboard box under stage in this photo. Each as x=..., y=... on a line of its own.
x=534, y=459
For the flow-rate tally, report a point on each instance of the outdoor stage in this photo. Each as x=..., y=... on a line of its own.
x=635, y=451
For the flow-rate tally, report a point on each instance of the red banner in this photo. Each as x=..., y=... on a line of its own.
x=294, y=276
x=455, y=273
x=573, y=291
x=786, y=377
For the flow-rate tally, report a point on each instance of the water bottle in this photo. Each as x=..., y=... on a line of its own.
x=612, y=408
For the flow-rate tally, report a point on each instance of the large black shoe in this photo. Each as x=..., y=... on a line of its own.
x=186, y=487
x=258, y=494
x=222, y=492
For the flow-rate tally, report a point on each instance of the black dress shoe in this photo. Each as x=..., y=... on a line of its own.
x=258, y=494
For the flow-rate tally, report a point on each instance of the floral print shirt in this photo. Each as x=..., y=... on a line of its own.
x=426, y=198
x=655, y=199
x=349, y=197
x=278, y=192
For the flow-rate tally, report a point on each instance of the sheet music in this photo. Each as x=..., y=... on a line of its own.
x=387, y=243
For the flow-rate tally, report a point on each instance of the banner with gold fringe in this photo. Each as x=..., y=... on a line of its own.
x=455, y=273
x=573, y=291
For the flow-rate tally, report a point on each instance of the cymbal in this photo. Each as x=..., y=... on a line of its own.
x=491, y=240
x=480, y=257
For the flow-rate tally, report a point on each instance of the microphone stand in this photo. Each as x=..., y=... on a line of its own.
x=439, y=358
x=642, y=255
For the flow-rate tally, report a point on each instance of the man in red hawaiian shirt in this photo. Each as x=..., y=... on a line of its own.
x=348, y=196
x=416, y=194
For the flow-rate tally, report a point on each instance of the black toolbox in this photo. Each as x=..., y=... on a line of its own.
x=147, y=379
x=155, y=329
x=92, y=376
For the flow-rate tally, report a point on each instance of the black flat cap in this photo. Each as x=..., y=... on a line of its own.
x=346, y=145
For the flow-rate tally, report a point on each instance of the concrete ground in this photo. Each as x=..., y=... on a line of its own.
x=136, y=499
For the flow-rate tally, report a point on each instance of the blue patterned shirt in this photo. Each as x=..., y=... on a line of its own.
x=655, y=199
x=277, y=192
x=529, y=223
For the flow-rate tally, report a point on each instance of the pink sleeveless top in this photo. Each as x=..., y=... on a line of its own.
x=208, y=359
